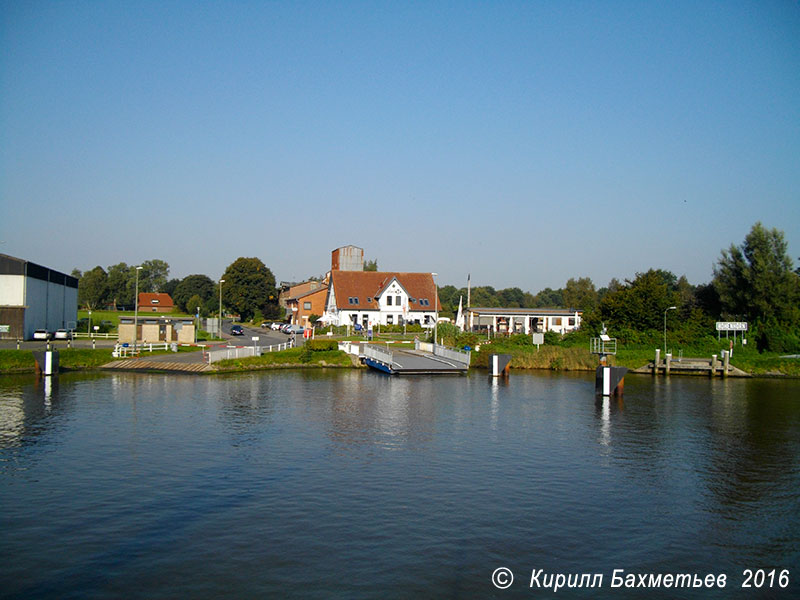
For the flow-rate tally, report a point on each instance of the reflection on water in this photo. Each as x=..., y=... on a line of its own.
x=359, y=485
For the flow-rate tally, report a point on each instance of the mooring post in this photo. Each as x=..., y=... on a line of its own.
x=713, y=365
x=667, y=361
x=658, y=361
x=725, y=362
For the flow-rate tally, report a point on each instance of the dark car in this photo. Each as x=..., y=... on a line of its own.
x=237, y=330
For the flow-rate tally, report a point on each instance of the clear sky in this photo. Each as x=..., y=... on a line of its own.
x=521, y=142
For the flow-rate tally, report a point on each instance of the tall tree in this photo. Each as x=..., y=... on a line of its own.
x=193, y=285
x=250, y=286
x=371, y=265
x=756, y=281
x=580, y=294
x=640, y=303
x=92, y=288
x=121, y=284
x=153, y=276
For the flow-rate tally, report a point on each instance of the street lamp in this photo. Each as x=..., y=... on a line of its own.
x=221, y=281
x=665, y=327
x=436, y=305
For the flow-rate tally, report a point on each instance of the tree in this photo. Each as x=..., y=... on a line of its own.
x=153, y=276
x=640, y=304
x=371, y=265
x=580, y=294
x=193, y=303
x=193, y=285
x=756, y=281
x=249, y=285
x=169, y=287
x=92, y=288
x=549, y=298
x=121, y=285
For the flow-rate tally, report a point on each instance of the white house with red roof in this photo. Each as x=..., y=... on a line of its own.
x=369, y=298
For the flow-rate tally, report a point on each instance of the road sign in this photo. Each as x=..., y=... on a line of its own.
x=731, y=326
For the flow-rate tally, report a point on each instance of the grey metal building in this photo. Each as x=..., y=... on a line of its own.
x=34, y=297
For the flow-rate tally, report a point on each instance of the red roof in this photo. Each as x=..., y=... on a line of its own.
x=365, y=285
x=158, y=299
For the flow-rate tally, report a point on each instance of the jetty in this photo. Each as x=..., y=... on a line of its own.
x=715, y=366
x=423, y=359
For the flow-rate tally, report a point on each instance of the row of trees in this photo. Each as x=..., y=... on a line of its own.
x=754, y=282
x=248, y=289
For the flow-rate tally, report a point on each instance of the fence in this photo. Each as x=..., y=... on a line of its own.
x=106, y=336
x=243, y=351
x=123, y=351
x=459, y=356
x=379, y=354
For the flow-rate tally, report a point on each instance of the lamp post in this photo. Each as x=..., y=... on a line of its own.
x=665, y=327
x=136, y=312
x=221, y=281
x=436, y=305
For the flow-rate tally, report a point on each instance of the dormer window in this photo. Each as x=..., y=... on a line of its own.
x=154, y=301
x=353, y=300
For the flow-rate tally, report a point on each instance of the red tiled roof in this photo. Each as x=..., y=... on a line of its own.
x=146, y=298
x=368, y=284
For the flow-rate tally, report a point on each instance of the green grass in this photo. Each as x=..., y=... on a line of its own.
x=293, y=357
x=22, y=361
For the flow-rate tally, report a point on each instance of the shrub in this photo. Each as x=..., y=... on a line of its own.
x=322, y=345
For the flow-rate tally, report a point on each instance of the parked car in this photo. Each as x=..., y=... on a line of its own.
x=237, y=330
x=285, y=328
x=265, y=325
x=41, y=334
x=296, y=329
x=62, y=334
x=276, y=326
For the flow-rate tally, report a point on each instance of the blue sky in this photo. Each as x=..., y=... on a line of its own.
x=521, y=142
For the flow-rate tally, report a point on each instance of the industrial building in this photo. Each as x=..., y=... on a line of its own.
x=34, y=297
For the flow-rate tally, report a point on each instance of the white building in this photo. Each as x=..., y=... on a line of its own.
x=523, y=320
x=34, y=297
x=370, y=298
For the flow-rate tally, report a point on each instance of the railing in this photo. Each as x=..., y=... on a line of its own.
x=244, y=351
x=459, y=356
x=105, y=336
x=121, y=351
x=379, y=354
x=601, y=346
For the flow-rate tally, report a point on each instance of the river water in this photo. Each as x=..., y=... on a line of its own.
x=350, y=484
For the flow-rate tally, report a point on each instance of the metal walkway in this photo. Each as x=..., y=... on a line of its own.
x=425, y=359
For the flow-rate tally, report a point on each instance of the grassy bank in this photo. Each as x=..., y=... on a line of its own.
x=71, y=359
x=293, y=357
x=572, y=355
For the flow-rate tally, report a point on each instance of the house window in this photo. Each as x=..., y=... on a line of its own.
x=397, y=300
x=369, y=299
x=424, y=302
x=388, y=300
x=557, y=321
x=306, y=305
x=427, y=319
x=353, y=300
x=389, y=319
x=572, y=321
x=153, y=301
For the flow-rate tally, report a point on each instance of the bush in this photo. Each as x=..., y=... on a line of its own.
x=322, y=345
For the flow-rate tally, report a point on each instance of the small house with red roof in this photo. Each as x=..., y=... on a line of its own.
x=157, y=303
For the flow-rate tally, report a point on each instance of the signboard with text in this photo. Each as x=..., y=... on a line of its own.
x=731, y=326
